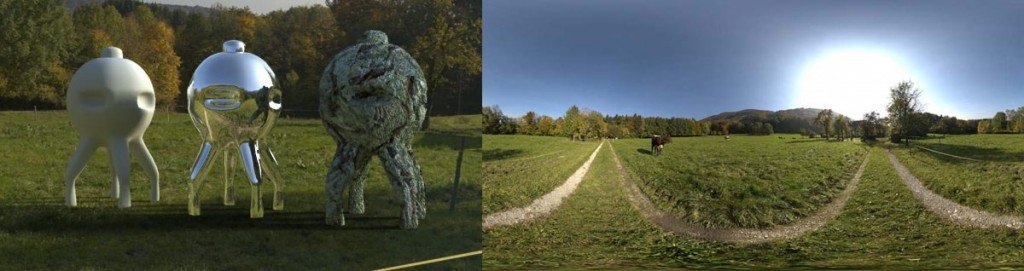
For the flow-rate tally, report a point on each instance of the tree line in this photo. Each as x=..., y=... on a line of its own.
x=585, y=124
x=44, y=43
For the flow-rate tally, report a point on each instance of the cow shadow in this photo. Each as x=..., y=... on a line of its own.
x=645, y=151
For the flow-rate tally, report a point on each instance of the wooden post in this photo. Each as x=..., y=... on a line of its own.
x=458, y=172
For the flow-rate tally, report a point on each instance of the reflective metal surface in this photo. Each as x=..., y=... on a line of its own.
x=234, y=100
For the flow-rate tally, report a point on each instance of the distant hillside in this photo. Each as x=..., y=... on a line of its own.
x=783, y=121
x=72, y=4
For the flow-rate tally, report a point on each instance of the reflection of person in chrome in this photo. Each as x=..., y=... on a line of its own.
x=111, y=101
x=372, y=99
x=234, y=100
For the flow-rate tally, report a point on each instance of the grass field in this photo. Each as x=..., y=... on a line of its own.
x=38, y=232
x=991, y=147
x=882, y=227
x=518, y=169
x=995, y=185
x=747, y=181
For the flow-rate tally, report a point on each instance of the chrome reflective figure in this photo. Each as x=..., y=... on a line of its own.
x=111, y=102
x=234, y=100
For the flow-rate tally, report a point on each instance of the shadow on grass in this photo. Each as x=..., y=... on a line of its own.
x=449, y=141
x=501, y=154
x=645, y=151
x=981, y=153
x=50, y=215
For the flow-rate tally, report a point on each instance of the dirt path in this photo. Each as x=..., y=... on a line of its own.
x=948, y=209
x=736, y=235
x=545, y=204
x=950, y=155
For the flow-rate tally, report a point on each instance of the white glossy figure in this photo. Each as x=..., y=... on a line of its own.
x=111, y=101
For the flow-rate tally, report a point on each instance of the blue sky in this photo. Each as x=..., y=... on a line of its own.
x=699, y=58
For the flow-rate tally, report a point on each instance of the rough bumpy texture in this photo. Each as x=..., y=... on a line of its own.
x=372, y=99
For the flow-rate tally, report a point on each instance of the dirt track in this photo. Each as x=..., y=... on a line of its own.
x=543, y=205
x=948, y=209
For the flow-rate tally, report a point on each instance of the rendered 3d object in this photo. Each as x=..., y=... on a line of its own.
x=372, y=98
x=110, y=101
x=234, y=100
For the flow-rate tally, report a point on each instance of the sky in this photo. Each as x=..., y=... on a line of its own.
x=699, y=58
x=257, y=6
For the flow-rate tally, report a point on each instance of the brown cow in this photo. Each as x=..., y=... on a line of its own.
x=658, y=143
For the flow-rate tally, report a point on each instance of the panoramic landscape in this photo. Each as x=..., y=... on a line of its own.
x=864, y=154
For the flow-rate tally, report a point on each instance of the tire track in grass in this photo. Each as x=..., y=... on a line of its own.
x=679, y=226
x=948, y=209
x=545, y=204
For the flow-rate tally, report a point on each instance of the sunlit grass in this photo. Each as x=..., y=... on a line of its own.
x=518, y=169
x=747, y=181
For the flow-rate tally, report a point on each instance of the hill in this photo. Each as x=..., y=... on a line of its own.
x=783, y=121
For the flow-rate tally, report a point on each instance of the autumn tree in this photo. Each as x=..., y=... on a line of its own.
x=824, y=119
x=150, y=43
x=870, y=126
x=545, y=125
x=448, y=46
x=903, y=109
x=983, y=127
x=998, y=123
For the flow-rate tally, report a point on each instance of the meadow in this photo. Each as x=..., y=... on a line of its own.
x=882, y=227
x=995, y=184
x=518, y=169
x=38, y=232
x=746, y=181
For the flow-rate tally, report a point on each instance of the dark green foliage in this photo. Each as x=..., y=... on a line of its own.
x=36, y=51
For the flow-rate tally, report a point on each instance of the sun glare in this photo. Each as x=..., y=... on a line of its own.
x=850, y=82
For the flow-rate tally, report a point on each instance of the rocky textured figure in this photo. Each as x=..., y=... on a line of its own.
x=372, y=98
x=234, y=100
x=111, y=101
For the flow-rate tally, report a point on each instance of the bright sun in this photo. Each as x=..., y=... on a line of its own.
x=850, y=82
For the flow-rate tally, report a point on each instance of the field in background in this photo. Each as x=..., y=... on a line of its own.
x=882, y=227
x=38, y=232
x=995, y=185
x=518, y=169
x=747, y=181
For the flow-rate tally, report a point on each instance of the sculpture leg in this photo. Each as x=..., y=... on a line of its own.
x=274, y=176
x=229, y=177
x=404, y=174
x=120, y=158
x=200, y=168
x=341, y=171
x=115, y=187
x=356, y=203
x=251, y=163
x=86, y=147
x=149, y=165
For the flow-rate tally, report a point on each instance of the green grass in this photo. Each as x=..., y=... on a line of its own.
x=882, y=227
x=747, y=181
x=991, y=147
x=996, y=185
x=38, y=232
x=518, y=169
x=469, y=125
